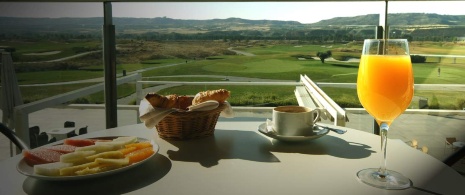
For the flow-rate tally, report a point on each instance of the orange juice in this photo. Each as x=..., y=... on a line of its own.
x=385, y=85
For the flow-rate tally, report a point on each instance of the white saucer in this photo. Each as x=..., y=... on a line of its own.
x=319, y=132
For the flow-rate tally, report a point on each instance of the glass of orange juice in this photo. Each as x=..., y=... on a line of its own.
x=385, y=89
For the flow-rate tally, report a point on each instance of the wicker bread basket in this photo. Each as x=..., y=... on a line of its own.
x=189, y=125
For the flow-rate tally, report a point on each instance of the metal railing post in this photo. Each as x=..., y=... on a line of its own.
x=138, y=90
x=109, y=59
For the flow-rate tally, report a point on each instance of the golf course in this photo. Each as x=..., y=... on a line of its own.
x=276, y=60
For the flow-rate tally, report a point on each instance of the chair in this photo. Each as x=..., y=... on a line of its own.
x=42, y=139
x=70, y=124
x=33, y=134
x=11, y=135
x=71, y=134
x=83, y=130
x=54, y=139
x=448, y=143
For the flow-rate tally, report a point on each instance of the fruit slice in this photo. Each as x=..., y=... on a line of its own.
x=50, y=169
x=109, y=155
x=139, y=155
x=97, y=169
x=77, y=157
x=97, y=148
x=127, y=150
x=139, y=145
x=119, y=142
x=121, y=161
x=127, y=139
x=67, y=171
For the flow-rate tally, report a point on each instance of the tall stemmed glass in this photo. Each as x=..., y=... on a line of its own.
x=385, y=89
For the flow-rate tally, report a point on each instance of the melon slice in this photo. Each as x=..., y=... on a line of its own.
x=50, y=169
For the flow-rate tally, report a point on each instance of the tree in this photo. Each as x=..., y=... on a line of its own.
x=324, y=55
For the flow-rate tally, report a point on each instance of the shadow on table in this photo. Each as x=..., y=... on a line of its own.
x=119, y=183
x=326, y=145
x=225, y=144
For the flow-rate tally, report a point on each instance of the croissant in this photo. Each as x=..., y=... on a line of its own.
x=169, y=101
x=184, y=102
x=157, y=100
x=172, y=101
x=219, y=95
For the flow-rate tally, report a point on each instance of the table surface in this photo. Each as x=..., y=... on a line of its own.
x=240, y=160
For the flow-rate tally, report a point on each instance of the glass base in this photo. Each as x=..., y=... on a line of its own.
x=392, y=181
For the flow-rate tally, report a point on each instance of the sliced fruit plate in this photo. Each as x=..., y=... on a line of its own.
x=86, y=158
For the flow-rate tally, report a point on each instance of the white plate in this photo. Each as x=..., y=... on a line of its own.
x=319, y=132
x=27, y=170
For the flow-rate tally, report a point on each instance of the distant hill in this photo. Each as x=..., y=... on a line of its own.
x=343, y=29
x=8, y=24
x=397, y=19
x=178, y=22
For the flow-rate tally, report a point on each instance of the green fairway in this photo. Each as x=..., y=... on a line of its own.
x=56, y=76
x=34, y=51
x=270, y=61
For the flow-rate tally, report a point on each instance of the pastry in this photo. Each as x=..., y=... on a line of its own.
x=219, y=95
x=155, y=100
x=184, y=102
x=171, y=101
x=160, y=101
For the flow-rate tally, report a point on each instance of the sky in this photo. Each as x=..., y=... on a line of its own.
x=304, y=12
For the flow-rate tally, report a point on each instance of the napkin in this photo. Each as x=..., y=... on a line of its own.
x=152, y=116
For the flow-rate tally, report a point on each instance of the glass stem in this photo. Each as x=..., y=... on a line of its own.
x=383, y=132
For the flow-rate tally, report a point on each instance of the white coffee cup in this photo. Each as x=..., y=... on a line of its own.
x=294, y=120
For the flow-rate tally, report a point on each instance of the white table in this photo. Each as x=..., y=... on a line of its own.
x=240, y=160
x=61, y=133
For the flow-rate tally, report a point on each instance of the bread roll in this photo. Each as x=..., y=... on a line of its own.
x=219, y=95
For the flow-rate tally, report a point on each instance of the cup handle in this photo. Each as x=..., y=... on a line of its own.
x=317, y=115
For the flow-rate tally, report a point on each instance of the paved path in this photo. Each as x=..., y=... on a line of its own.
x=98, y=80
x=69, y=57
